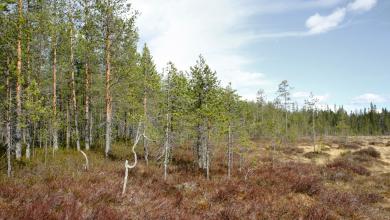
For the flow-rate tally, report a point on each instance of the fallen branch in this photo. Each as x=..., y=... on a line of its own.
x=127, y=166
x=86, y=166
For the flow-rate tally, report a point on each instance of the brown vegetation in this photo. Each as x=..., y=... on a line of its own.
x=279, y=190
x=368, y=152
x=352, y=146
x=315, y=154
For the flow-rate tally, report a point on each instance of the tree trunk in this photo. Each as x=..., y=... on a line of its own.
x=87, y=130
x=28, y=72
x=54, y=101
x=167, y=131
x=167, y=148
x=18, y=129
x=207, y=153
x=230, y=152
x=314, y=132
x=67, y=125
x=27, y=141
x=87, y=114
x=90, y=128
x=74, y=98
x=285, y=107
x=8, y=125
x=145, y=141
x=199, y=145
x=108, y=92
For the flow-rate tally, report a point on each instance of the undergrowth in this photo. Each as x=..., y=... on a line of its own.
x=62, y=189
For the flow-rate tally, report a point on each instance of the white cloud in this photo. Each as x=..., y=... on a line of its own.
x=318, y=24
x=179, y=31
x=300, y=96
x=361, y=5
x=282, y=6
x=369, y=98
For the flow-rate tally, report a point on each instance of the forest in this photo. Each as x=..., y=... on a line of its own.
x=76, y=87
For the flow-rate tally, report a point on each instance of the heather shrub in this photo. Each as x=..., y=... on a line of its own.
x=348, y=164
x=292, y=150
x=375, y=143
x=319, y=211
x=370, y=151
x=316, y=154
x=352, y=146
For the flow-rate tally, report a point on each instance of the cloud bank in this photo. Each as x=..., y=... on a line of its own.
x=319, y=24
x=369, y=98
x=179, y=31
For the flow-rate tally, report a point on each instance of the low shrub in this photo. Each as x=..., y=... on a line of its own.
x=292, y=150
x=375, y=143
x=344, y=163
x=345, y=204
x=338, y=175
x=352, y=146
x=316, y=154
x=319, y=211
x=309, y=185
x=370, y=198
x=372, y=152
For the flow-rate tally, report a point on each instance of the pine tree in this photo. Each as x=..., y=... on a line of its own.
x=284, y=93
x=204, y=86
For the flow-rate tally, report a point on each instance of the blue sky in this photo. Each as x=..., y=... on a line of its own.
x=337, y=49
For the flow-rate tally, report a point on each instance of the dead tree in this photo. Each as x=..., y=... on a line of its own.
x=127, y=166
x=86, y=166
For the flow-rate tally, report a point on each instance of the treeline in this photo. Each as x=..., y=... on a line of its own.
x=72, y=78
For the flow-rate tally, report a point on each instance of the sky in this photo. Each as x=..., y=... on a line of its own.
x=337, y=49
